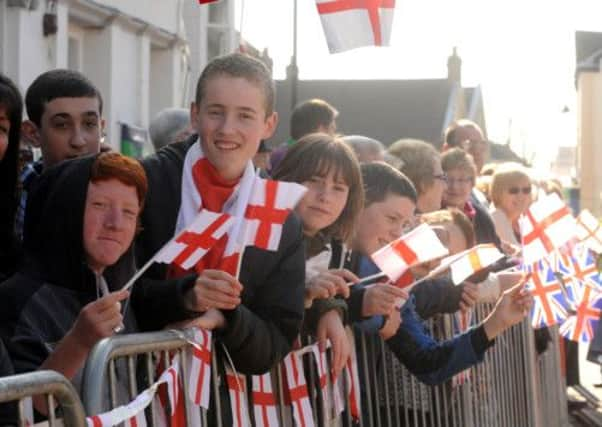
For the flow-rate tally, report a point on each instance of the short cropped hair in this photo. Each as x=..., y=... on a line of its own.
x=112, y=165
x=308, y=116
x=316, y=155
x=362, y=144
x=381, y=180
x=417, y=161
x=239, y=65
x=455, y=216
x=167, y=125
x=506, y=175
x=449, y=136
x=55, y=84
x=456, y=158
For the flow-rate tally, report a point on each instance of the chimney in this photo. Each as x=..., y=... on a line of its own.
x=454, y=68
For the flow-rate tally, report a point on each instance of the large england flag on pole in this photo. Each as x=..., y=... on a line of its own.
x=418, y=246
x=349, y=24
x=545, y=227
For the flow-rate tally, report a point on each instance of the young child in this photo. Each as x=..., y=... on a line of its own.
x=65, y=121
x=328, y=212
x=260, y=310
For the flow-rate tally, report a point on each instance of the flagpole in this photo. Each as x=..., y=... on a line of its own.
x=138, y=274
x=293, y=70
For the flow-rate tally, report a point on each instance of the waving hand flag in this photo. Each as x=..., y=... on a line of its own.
x=349, y=24
x=418, y=246
x=589, y=231
x=470, y=261
x=549, y=301
x=547, y=225
x=581, y=326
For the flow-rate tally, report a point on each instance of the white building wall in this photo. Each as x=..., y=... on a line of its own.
x=133, y=50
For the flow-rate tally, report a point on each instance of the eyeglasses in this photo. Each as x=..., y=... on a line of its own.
x=441, y=176
x=516, y=190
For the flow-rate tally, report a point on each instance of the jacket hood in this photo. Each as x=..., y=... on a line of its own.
x=53, y=231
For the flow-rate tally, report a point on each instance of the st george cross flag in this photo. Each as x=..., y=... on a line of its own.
x=471, y=261
x=237, y=389
x=199, y=368
x=187, y=248
x=589, y=231
x=353, y=387
x=264, y=401
x=207, y=1
x=296, y=389
x=418, y=246
x=580, y=327
x=349, y=24
x=330, y=387
x=270, y=204
x=549, y=301
x=545, y=227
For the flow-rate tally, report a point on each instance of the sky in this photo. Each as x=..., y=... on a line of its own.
x=520, y=52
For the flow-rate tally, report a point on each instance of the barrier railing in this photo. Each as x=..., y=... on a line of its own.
x=58, y=391
x=513, y=386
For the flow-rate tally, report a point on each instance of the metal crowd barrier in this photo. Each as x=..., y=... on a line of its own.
x=57, y=389
x=512, y=387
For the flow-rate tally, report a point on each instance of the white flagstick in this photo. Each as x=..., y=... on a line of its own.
x=139, y=273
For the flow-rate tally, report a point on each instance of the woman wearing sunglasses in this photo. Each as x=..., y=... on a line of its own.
x=511, y=194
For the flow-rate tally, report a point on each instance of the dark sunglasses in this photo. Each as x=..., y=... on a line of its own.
x=516, y=190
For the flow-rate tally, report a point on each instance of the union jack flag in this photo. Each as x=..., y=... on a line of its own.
x=549, y=302
x=579, y=265
x=581, y=326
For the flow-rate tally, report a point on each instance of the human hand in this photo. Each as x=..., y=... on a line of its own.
x=508, y=280
x=214, y=289
x=98, y=319
x=469, y=296
x=330, y=327
x=212, y=319
x=392, y=323
x=382, y=298
x=329, y=283
x=512, y=307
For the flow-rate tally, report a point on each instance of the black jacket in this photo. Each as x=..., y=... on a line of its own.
x=40, y=303
x=261, y=330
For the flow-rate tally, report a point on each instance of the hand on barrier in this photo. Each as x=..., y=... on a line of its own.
x=392, y=324
x=470, y=293
x=330, y=283
x=330, y=327
x=98, y=319
x=214, y=289
x=512, y=307
x=381, y=298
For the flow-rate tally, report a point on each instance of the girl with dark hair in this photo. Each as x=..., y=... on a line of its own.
x=11, y=110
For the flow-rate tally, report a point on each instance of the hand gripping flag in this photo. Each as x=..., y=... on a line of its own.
x=199, y=368
x=549, y=301
x=418, y=246
x=296, y=390
x=270, y=204
x=471, y=261
x=188, y=247
x=545, y=227
x=349, y=24
x=589, y=231
x=264, y=401
x=237, y=389
x=581, y=326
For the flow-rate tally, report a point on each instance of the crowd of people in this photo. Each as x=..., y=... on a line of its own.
x=77, y=223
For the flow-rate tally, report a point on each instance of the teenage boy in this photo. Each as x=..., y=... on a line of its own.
x=65, y=121
x=260, y=312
